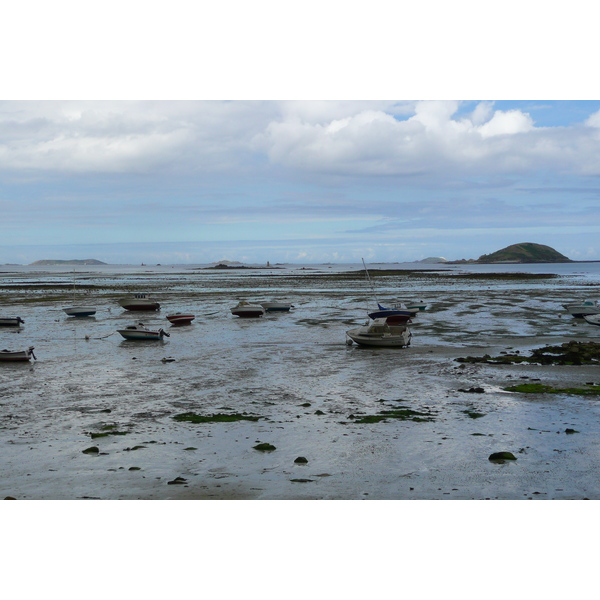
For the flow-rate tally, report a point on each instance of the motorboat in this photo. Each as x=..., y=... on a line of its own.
x=180, y=318
x=11, y=321
x=140, y=332
x=139, y=302
x=245, y=309
x=380, y=333
x=276, y=306
x=80, y=311
x=587, y=307
x=17, y=355
x=397, y=313
x=592, y=319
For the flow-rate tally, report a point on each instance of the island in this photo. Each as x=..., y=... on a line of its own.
x=85, y=261
x=526, y=252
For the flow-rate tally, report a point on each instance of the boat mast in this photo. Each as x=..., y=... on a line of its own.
x=369, y=278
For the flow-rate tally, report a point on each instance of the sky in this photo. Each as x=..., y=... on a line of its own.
x=287, y=173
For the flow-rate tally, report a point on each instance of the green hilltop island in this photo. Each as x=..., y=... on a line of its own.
x=85, y=261
x=521, y=253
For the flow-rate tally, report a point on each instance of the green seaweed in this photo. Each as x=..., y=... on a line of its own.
x=191, y=417
x=539, y=388
x=264, y=447
x=402, y=413
x=94, y=435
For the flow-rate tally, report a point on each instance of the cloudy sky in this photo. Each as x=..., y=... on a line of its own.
x=256, y=180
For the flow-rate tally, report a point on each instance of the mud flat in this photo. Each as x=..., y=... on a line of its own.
x=282, y=408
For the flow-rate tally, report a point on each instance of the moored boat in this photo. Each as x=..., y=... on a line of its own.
x=17, y=355
x=139, y=302
x=180, y=318
x=382, y=334
x=245, y=309
x=592, y=319
x=397, y=313
x=140, y=332
x=587, y=307
x=80, y=311
x=276, y=306
x=11, y=321
x=419, y=306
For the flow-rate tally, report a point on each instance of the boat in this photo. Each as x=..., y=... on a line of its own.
x=17, y=355
x=11, y=321
x=587, y=307
x=276, y=306
x=592, y=319
x=245, y=309
x=381, y=333
x=398, y=313
x=180, y=318
x=419, y=306
x=80, y=311
x=141, y=332
x=139, y=302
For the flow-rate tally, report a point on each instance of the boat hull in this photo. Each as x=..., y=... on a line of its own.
x=139, y=305
x=247, y=313
x=276, y=306
x=11, y=322
x=80, y=311
x=380, y=341
x=393, y=316
x=180, y=319
x=592, y=319
x=17, y=356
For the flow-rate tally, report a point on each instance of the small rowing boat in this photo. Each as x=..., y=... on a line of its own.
x=17, y=355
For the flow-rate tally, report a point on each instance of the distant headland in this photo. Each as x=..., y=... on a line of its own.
x=85, y=261
x=525, y=252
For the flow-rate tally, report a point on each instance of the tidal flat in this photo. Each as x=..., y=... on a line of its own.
x=261, y=393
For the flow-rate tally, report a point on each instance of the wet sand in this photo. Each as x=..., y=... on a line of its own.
x=308, y=388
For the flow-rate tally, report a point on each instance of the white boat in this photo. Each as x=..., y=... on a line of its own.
x=245, y=309
x=587, y=307
x=11, y=321
x=139, y=302
x=17, y=355
x=80, y=311
x=180, y=318
x=276, y=306
x=592, y=319
x=141, y=332
x=380, y=333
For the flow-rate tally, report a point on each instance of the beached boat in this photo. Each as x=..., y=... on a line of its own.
x=380, y=333
x=419, y=306
x=17, y=355
x=245, y=309
x=587, y=307
x=141, y=332
x=80, y=311
x=397, y=313
x=139, y=302
x=11, y=321
x=276, y=306
x=180, y=318
x=592, y=319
